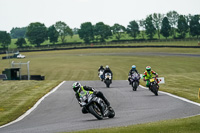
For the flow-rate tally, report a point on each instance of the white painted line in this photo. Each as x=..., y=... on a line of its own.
x=34, y=107
x=181, y=98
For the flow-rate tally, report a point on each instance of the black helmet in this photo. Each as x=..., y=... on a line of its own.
x=76, y=86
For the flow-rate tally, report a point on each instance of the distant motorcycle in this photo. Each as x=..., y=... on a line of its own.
x=95, y=105
x=135, y=80
x=108, y=79
x=101, y=75
x=154, y=85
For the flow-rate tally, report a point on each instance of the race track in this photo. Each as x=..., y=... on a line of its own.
x=61, y=112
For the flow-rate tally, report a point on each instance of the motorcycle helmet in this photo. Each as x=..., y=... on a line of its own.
x=133, y=67
x=107, y=66
x=76, y=86
x=148, y=68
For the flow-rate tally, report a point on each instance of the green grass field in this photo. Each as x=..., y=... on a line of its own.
x=180, y=72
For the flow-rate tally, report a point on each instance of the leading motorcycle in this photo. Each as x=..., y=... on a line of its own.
x=95, y=105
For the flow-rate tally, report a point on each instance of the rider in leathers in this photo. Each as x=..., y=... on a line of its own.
x=101, y=69
x=78, y=88
x=148, y=74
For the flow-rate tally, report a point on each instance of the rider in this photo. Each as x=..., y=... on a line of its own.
x=78, y=88
x=148, y=74
x=107, y=70
x=133, y=69
x=101, y=69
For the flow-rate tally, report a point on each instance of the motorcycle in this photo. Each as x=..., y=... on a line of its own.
x=95, y=105
x=154, y=85
x=135, y=81
x=101, y=75
x=108, y=79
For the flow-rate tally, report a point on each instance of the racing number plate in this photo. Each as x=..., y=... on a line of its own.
x=151, y=80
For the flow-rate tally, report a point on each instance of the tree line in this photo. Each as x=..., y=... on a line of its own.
x=161, y=24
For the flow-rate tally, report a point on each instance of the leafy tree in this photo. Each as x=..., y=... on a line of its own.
x=150, y=29
x=142, y=25
x=133, y=29
x=165, y=27
x=63, y=30
x=75, y=31
x=70, y=32
x=182, y=26
x=173, y=20
x=86, y=32
x=157, y=21
x=5, y=39
x=188, y=19
x=18, y=32
x=53, y=34
x=102, y=31
x=36, y=33
x=195, y=25
x=118, y=30
x=20, y=42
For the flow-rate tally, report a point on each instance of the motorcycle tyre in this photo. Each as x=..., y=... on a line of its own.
x=107, y=82
x=135, y=86
x=155, y=90
x=112, y=113
x=93, y=112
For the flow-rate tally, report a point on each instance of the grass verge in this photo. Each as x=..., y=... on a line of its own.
x=186, y=125
x=19, y=96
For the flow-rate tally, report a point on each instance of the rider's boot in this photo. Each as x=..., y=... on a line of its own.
x=106, y=102
x=158, y=86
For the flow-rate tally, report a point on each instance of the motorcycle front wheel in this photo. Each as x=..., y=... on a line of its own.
x=135, y=85
x=155, y=90
x=96, y=111
x=107, y=82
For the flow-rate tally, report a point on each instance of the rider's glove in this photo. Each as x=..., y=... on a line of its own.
x=94, y=92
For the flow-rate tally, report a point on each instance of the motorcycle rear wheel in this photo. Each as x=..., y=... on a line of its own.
x=112, y=113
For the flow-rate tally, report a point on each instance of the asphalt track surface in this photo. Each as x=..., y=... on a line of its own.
x=61, y=112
